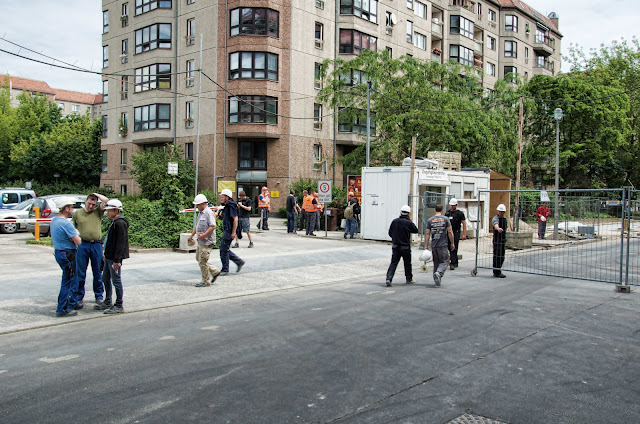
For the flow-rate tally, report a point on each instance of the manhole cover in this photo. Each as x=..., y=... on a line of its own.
x=474, y=419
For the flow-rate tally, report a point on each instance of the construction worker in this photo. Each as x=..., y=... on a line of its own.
x=458, y=220
x=499, y=224
x=205, y=228
x=440, y=233
x=319, y=208
x=309, y=205
x=303, y=212
x=264, y=203
x=400, y=232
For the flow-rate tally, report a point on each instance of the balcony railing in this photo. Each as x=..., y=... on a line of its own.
x=544, y=39
x=436, y=27
x=548, y=65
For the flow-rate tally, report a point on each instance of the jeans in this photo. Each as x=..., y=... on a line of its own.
x=264, y=217
x=226, y=254
x=351, y=226
x=311, y=222
x=398, y=252
x=110, y=276
x=440, y=256
x=69, y=283
x=498, y=256
x=89, y=252
x=291, y=222
x=454, y=252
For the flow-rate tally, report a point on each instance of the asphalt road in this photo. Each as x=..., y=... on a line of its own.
x=520, y=350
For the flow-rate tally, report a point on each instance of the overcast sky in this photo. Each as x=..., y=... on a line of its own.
x=70, y=30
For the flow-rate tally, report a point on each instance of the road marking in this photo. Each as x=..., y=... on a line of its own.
x=167, y=338
x=317, y=309
x=59, y=359
x=111, y=348
x=211, y=328
x=3, y=371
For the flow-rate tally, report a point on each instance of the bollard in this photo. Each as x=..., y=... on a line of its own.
x=36, y=209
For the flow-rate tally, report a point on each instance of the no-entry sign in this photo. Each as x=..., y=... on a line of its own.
x=324, y=191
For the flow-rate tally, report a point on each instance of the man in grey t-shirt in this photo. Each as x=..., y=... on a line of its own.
x=438, y=227
x=205, y=228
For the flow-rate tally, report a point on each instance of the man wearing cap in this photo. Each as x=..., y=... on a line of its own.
x=458, y=220
x=206, y=229
x=65, y=243
x=499, y=224
x=400, y=232
x=244, y=223
x=116, y=249
x=229, y=227
x=264, y=203
x=352, y=209
x=438, y=231
x=88, y=221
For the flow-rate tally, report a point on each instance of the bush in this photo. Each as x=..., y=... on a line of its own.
x=282, y=213
x=150, y=171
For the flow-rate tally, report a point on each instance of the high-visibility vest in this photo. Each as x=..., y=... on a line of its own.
x=264, y=202
x=307, y=204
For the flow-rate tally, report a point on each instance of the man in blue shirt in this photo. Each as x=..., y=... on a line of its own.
x=229, y=227
x=65, y=244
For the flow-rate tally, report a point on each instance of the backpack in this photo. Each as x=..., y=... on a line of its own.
x=348, y=211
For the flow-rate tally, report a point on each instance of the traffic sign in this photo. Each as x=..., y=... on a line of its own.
x=324, y=191
x=173, y=168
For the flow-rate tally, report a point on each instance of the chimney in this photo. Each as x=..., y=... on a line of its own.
x=554, y=19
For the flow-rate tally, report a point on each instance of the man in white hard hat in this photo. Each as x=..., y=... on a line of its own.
x=65, y=244
x=400, y=232
x=116, y=249
x=458, y=221
x=438, y=231
x=229, y=227
x=499, y=224
x=206, y=229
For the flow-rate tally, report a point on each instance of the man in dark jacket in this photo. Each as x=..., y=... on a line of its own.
x=229, y=226
x=116, y=249
x=400, y=232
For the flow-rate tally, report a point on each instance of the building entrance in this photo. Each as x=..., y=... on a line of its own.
x=253, y=190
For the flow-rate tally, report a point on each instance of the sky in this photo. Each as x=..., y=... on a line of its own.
x=71, y=31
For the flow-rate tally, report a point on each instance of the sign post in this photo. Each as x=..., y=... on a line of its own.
x=172, y=168
x=324, y=196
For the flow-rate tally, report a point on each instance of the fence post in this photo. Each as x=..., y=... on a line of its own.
x=622, y=234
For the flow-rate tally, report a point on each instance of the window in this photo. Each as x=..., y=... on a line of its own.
x=540, y=35
x=462, y=26
x=510, y=73
x=103, y=155
x=124, y=18
x=410, y=4
x=317, y=116
x=124, y=121
x=409, y=32
x=390, y=50
x=461, y=54
x=510, y=49
x=105, y=91
x=491, y=69
x=352, y=41
x=105, y=56
x=357, y=124
x=526, y=52
x=319, y=35
x=253, y=65
x=420, y=10
x=144, y=6
x=479, y=9
x=152, y=77
x=317, y=152
x=511, y=23
x=191, y=1
x=188, y=114
x=253, y=109
x=491, y=42
x=491, y=14
x=105, y=21
x=60, y=105
x=151, y=117
x=317, y=76
x=254, y=20
x=354, y=77
x=75, y=108
x=188, y=151
x=105, y=126
x=123, y=187
x=191, y=71
x=541, y=62
x=252, y=155
x=157, y=36
x=191, y=31
x=125, y=51
x=420, y=41
x=365, y=9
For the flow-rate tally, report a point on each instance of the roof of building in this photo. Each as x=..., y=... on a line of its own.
x=530, y=11
x=76, y=97
x=34, y=86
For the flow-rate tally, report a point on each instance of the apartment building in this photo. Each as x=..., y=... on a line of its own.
x=259, y=122
x=69, y=102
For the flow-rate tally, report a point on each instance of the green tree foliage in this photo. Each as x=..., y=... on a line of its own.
x=414, y=97
x=150, y=170
x=8, y=128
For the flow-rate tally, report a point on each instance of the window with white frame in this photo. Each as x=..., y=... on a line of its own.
x=511, y=23
x=410, y=4
x=409, y=32
x=491, y=14
x=103, y=154
x=75, y=108
x=191, y=31
x=105, y=126
x=124, y=121
x=317, y=116
x=105, y=91
x=105, y=21
x=317, y=77
x=491, y=42
x=317, y=152
x=510, y=73
x=253, y=65
x=367, y=9
x=420, y=10
x=123, y=161
x=491, y=69
x=420, y=41
x=105, y=56
x=188, y=151
x=189, y=114
x=191, y=72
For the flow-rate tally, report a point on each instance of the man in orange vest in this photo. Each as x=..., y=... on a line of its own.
x=264, y=203
x=310, y=206
x=319, y=208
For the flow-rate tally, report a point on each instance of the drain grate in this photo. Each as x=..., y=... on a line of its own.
x=474, y=419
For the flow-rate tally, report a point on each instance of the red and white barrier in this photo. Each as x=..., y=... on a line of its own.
x=24, y=220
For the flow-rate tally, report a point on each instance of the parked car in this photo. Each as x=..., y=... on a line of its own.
x=11, y=196
x=49, y=209
x=19, y=211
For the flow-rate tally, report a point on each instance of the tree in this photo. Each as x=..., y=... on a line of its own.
x=7, y=128
x=150, y=170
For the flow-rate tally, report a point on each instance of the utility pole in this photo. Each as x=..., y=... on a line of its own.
x=414, y=139
x=557, y=114
x=368, y=121
x=519, y=164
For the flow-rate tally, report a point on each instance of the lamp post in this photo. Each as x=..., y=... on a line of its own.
x=56, y=176
x=557, y=115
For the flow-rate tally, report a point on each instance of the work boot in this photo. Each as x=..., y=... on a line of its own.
x=250, y=244
x=101, y=306
x=240, y=265
x=214, y=277
x=203, y=285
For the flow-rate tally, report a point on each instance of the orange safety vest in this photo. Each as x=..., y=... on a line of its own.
x=265, y=202
x=307, y=204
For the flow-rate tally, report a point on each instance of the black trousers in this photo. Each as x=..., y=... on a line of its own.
x=498, y=256
x=454, y=252
x=303, y=218
x=398, y=252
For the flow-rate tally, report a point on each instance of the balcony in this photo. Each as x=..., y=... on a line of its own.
x=478, y=46
x=463, y=8
x=544, y=45
x=543, y=67
x=436, y=29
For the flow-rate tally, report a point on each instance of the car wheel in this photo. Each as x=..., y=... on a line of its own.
x=9, y=228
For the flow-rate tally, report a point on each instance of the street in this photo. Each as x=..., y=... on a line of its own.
x=318, y=338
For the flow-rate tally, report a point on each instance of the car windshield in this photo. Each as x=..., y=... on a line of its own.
x=23, y=205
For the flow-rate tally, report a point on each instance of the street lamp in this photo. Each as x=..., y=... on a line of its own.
x=56, y=176
x=557, y=115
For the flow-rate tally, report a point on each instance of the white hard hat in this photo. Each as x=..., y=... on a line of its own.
x=113, y=204
x=200, y=198
x=501, y=207
x=64, y=201
x=227, y=192
x=453, y=201
x=405, y=209
x=426, y=256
